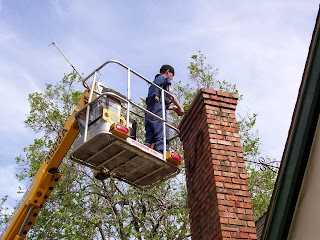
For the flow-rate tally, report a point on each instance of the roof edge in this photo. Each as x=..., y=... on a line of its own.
x=301, y=134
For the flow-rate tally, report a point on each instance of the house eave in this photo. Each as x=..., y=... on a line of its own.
x=298, y=145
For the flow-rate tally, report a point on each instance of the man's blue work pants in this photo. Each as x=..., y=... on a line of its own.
x=154, y=127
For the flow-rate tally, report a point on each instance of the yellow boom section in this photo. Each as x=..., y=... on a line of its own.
x=45, y=179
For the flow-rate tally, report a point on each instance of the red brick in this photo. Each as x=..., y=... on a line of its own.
x=239, y=210
x=244, y=188
x=237, y=135
x=229, y=164
x=217, y=127
x=232, y=139
x=216, y=162
x=243, y=235
x=218, y=157
x=245, y=217
x=237, y=222
x=221, y=168
x=220, y=196
x=216, y=136
x=234, y=149
x=233, y=198
x=251, y=223
x=243, y=176
x=224, y=94
x=243, y=205
x=230, y=174
x=231, y=115
x=208, y=90
x=223, y=179
x=233, y=186
x=219, y=184
x=213, y=141
x=225, y=190
x=224, y=220
x=252, y=236
x=236, y=159
x=230, y=229
x=239, y=154
x=224, y=142
x=226, y=203
x=220, y=132
x=234, y=170
x=230, y=100
x=227, y=215
x=231, y=130
x=239, y=181
x=242, y=193
x=222, y=208
x=247, y=229
x=225, y=234
x=217, y=146
x=249, y=211
x=241, y=165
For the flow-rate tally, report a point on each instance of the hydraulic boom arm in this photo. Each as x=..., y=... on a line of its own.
x=45, y=179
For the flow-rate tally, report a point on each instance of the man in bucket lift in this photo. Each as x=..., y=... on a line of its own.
x=153, y=126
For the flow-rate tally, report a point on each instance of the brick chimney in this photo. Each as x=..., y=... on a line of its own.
x=218, y=197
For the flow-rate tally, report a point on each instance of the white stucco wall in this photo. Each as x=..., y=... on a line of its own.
x=306, y=219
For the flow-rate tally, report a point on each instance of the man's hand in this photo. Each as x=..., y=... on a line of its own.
x=179, y=111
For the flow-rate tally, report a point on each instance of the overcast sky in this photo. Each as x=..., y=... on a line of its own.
x=261, y=46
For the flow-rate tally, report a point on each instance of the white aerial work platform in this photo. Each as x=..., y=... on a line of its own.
x=108, y=143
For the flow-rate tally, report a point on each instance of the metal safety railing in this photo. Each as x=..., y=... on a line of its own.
x=128, y=99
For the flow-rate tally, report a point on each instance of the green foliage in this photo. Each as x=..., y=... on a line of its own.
x=249, y=138
x=49, y=110
x=201, y=75
x=204, y=76
x=48, y=114
x=261, y=183
x=4, y=216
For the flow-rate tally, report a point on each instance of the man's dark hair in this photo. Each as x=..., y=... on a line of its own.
x=166, y=67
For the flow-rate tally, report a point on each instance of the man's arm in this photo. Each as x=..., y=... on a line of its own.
x=177, y=108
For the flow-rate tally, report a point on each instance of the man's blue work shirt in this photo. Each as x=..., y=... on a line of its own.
x=163, y=82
